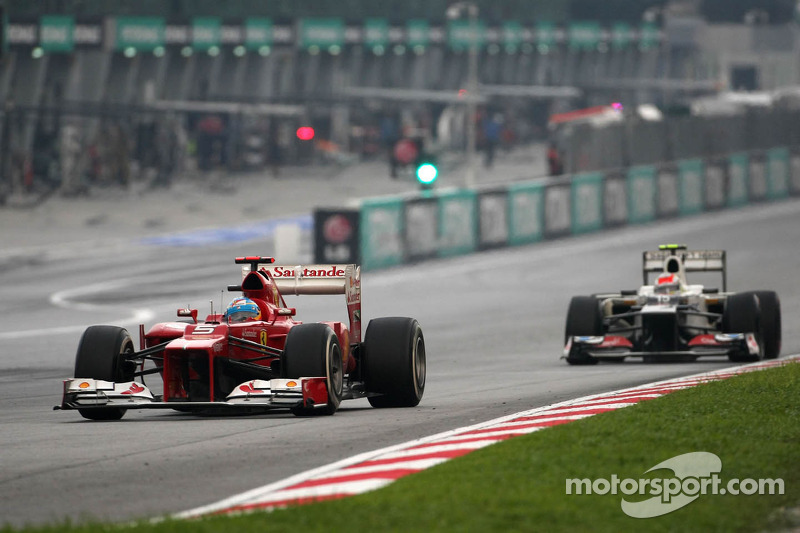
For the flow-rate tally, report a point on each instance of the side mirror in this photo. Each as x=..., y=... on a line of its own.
x=287, y=311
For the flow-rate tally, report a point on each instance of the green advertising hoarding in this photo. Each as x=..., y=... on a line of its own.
x=463, y=33
x=206, y=33
x=418, y=33
x=738, y=179
x=321, y=33
x=381, y=233
x=641, y=194
x=512, y=35
x=621, y=35
x=778, y=173
x=376, y=32
x=57, y=33
x=690, y=189
x=648, y=36
x=525, y=213
x=458, y=222
x=257, y=33
x=140, y=33
x=584, y=35
x=587, y=202
x=545, y=34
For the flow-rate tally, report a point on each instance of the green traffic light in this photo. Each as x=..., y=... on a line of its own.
x=427, y=173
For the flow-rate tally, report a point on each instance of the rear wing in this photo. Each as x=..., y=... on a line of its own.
x=692, y=260
x=314, y=279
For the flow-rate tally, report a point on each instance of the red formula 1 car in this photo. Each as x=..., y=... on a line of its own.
x=255, y=355
x=671, y=320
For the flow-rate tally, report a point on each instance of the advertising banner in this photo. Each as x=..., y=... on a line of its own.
x=615, y=200
x=376, y=32
x=336, y=235
x=417, y=33
x=758, y=177
x=493, y=219
x=584, y=35
x=691, y=186
x=667, y=191
x=381, y=233
x=257, y=33
x=641, y=194
x=795, y=172
x=526, y=213
x=557, y=210
x=587, y=202
x=141, y=33
x=738, y=179
x=462, y=33
x=321, y=32
x=457, y=223
x=421, y=228
x=777, y=173
x=57, y=33
x=716, y=183
x=206, y=33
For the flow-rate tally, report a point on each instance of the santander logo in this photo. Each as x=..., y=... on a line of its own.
x=333, y=271
x=134, y=389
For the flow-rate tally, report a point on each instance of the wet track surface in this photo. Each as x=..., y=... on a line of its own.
x=493, y=324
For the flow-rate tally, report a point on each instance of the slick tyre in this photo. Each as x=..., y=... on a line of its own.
x=742, y=314
x=312, y=350
x=394, y=362
x=770, y=306
x=104, y=353
x=584, y=319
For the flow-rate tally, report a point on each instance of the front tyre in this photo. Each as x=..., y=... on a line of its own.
x=104, y=353
x=394, y=362
x=312, y=350
x=770, y=306
x=742, y=314
x=584, y=319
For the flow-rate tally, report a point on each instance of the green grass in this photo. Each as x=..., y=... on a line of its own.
x=752, y=422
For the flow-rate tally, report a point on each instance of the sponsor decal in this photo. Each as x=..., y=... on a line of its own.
x=291, y=384
x=613, y=341
x=263, y=337
x=250, y=388
x=337, y=229
x=135, y=388
x=249, y=333
x=84, y=385
x=334, y=271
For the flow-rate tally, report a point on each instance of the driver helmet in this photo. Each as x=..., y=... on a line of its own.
x=668, y=283
x=242, y=309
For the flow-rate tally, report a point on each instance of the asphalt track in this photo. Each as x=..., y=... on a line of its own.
x=493, y=324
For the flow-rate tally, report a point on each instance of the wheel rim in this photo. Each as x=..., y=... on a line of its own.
x=419, y=363
x=335, y=373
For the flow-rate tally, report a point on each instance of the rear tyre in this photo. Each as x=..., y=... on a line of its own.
x=742, y=314
x=584, y=319
x=104, y=353
x=770, y=306
x=394, y=362
x=312, y=350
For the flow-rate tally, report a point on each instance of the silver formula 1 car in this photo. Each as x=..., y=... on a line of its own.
x=667, y=319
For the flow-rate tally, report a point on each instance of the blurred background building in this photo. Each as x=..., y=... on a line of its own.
x=106, y=91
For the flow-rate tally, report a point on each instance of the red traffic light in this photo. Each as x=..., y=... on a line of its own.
x=305, y=133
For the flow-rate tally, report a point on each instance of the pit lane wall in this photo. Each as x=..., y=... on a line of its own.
x=389, y=231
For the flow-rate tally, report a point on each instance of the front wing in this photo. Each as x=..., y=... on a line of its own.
x=82, y=393
x=618, y=347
